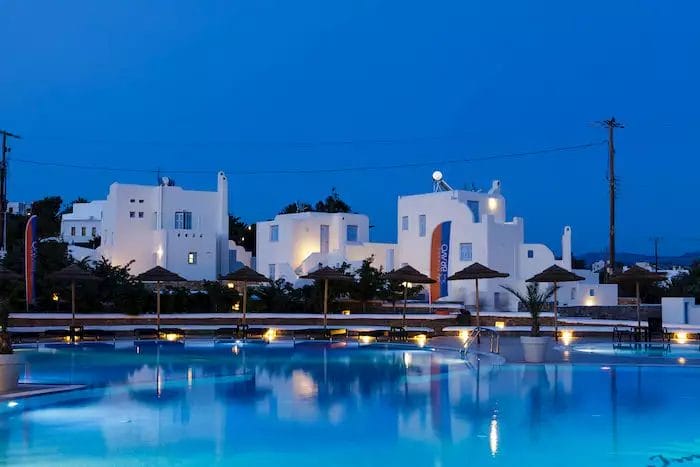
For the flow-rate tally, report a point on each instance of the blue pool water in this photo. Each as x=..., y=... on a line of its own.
x=319, y=404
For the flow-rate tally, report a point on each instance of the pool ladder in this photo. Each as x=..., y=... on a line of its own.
x=475, y=336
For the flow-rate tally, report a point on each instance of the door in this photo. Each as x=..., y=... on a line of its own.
x=325, y=238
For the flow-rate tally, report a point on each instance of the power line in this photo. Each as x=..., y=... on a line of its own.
x=318, y=171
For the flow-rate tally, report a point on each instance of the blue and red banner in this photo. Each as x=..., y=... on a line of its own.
x=31, y=245
x=440, y=259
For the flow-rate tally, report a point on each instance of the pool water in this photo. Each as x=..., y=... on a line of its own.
x=689, y=350
x=320, y=404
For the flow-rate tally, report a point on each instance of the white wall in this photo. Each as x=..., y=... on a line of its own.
x=679, y=310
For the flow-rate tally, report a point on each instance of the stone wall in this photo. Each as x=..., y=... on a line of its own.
x=622, y=312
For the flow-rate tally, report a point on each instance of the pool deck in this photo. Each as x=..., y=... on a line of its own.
x=30, y=390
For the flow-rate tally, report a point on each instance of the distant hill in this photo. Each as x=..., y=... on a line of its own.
x=686, y=259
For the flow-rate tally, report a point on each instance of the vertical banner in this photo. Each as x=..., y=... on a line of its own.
x=30, y=251
x=440, y=259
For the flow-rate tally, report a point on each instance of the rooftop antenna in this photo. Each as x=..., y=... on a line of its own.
x=439, y=184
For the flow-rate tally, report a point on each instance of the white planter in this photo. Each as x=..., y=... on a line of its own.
x=10, y=367
x=534, y=348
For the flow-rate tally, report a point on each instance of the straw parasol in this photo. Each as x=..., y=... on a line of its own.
x=408, y=274
x=159, y=274
x=73, y=273
x=638, y=275
x=327, y=274
x=475, y=272
x=555, y=274
x=246, y=275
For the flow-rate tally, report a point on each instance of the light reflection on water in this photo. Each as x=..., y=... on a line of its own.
x=320, y=404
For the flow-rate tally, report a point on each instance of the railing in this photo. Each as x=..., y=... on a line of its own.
x=475, y=336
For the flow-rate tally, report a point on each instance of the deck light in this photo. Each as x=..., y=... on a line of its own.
x=270, y=335
x=366, y=339
x=345, y=312
x=421, y=339
x=236, y=306
x=54, y=296
x=500, y=324
x=567, y=336
x=464, y=335
x=681, y=337
x=172, y=337
x=682, y=360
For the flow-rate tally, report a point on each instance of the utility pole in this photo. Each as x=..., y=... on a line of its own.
x=3, y=189
x=611, y=124
x=656, y=241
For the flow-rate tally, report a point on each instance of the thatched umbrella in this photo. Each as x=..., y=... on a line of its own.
x=555, y=274
x=475, y=272
x=159, y=274
x=73, y=273
x=408, y=274
x=638, y=275
x=327, y=274
x=246, y=275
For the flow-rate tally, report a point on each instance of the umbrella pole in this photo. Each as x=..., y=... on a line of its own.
x=325, y=304
x=158, y=308
x=639, y=314
x=556, y=334
x=405, y=298
x=478, y=316
x=72, y=302
x=245, y=300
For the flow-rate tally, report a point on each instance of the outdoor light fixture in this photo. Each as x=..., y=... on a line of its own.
x=464, y=335
x=230, y=285
x=54, y=296
x=172, y=337
x=159, y=252
x=236, y=306
x=567, y=336
x=493, y=204
x=421, y=339
x=500, y=324
x=681, y=360
x=681, y=337
x=345, y=312
x=437, y=176
x=270, y=335
x=366, y=339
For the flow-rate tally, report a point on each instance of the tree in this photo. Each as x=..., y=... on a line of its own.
x=294, y=208
x=275, y=296
x=534, y=301
x=393, y=292
x=119, y=288
x=69, y=207
x=369, y=284
x=332, y=204
x=48, y=212
x=241, y=233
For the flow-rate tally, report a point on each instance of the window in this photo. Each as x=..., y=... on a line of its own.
x=573, y=293
x=274, y=233
x=93, y=231
x=530, y=253
x=465, y=251
x=352, y=233
x=132, y=200
x=72, y=231
x=183, y=220
x=404, y=223
x=140, y=214
x=421, y=225
x=271, y=272
x=83, y=231
x=140, y=201
x=192, y=257
x=132, y=214
x=591, y=292
x=474, y=208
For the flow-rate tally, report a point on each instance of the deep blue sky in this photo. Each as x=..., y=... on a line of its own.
x=246, y=85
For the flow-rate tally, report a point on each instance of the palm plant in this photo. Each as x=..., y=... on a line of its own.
x=533, y=300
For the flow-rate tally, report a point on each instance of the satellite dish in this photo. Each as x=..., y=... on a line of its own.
x=437, y=175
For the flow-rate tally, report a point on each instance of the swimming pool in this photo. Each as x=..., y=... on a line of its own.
x=669, y=351
x=333, y=404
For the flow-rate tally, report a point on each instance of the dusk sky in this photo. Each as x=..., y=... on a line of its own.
x=254, y=86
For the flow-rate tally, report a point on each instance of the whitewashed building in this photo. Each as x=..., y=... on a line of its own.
x=19, y=207
x=292, y=245
x=184, y=231
x=442, y=232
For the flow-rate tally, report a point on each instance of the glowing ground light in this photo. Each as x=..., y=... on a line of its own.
x=270, y=335
x=682, y=360
x=172, y=337
x=567, y=336
x=421, y=339
x=681, y=337
x=605, y=368
x=500, y=324
x=464, y=335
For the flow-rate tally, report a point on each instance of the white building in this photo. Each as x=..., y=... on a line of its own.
x=19, y=207
x=442, y=232
x=292, y=245
x=184, y=231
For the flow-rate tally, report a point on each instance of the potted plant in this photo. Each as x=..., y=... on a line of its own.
x=10, y=363
x=534, y=301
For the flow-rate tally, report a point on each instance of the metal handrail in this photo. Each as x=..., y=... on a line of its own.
x=494, y=340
